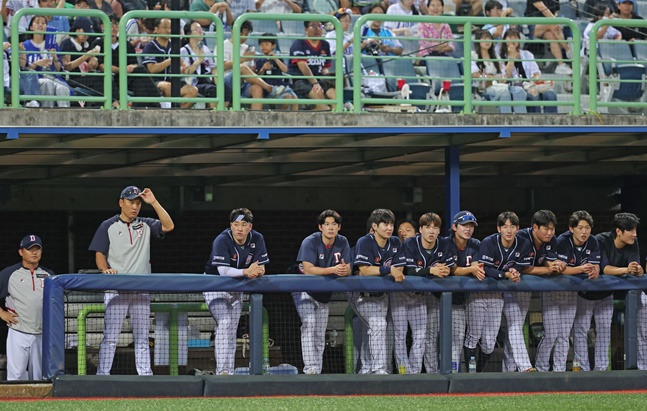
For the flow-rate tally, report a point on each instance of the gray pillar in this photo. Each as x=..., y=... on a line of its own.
x=256, y=334
x=631, y=330
x=445, y=346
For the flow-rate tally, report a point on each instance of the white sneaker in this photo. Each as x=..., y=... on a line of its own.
x=564, y=70
x=276, y=91
x=33, y=104
x=311, y=372
x=348, y=106
x=380, y=372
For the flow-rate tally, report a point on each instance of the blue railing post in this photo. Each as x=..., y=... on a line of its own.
x=445, y=332
x=631, y=330
x=255, y=334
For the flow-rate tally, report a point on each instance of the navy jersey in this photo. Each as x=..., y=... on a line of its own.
x=314, y=251
x=539, y=256
x=154, y=52
x=575, y=256
x=368, y=252
x=303, y=50
x=274, y=71
x=420, y=259
x=225, y=252
x=497, y=260
x=463, y=258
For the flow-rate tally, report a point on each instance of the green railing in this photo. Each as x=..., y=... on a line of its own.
x=173, y=309
x=237, y=79
x=124, y=98
x=594, y=59
x=106, y=99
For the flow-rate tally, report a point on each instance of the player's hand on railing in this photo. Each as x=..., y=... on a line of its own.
x=342, y=269
x=478, y=271
x=556, y=267
x=635, y=268
x=397, y=274
x=440, y=270
x=254, y=270
x=109, y=271
x=513, y=275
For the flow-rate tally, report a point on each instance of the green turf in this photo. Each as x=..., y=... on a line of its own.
x=541, y=402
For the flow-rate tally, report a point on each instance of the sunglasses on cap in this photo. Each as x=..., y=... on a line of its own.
x=465, y=218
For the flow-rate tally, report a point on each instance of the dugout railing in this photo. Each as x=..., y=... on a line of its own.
x=55, y=288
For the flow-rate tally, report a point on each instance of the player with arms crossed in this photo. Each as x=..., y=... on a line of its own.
x=427, y=254
x=377, y=254
x=238, y=251
x=543, y=261
x=619, y=256
x=581, y=253
x=323, y=253
x=503, y=256
x=122, y=246
x=21, y=295
x=465, y=250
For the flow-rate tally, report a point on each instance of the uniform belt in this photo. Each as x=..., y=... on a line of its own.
x=365, y=294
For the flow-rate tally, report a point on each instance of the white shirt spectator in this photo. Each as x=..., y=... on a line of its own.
x=278, y=6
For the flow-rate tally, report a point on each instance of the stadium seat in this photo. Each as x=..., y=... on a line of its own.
x=626, y=79
x=403, y=68
x=439, y=69
x=265, y=26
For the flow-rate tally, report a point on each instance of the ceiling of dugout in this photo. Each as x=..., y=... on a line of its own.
x=344, y=158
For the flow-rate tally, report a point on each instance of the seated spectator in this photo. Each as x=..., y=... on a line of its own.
x=304, y=62
x=486, y=64
x=240, y=7
x=58, y=24
x=139, y=86
x=11, y=7
x=468, y=7
x=324, y=6
x=139, y=32
x=157, y=61
x=269, y=66
x=527, y=71
x=251, y=85
x=121, y=7
x=84, y=5
x=550, y=8
x=38, y=59
x=436, y=32
x=79, y=64
x=103, y=5
x=28, y=81
x=379, y=40
x=281, y=6
x=626, y=11
x=493, y=8
x=198, y=64
x=220, y=9
x=402, y=8
x=343, y=15
x=600, y=12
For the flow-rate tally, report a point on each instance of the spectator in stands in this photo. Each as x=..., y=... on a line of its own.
x=157, y=61
x=58, y=24
x=11, y=7
x=493, y=8
x=120, y=7
x=103, y=5
x=304, y=61
x=600, y=12
x=84, y=5
x=251, y=86
x=626, y=10
x=527, y=72
x=28, y=80
x=379, y=41
x=402, y=8
x=486, y=64
x=325, y=6
x=78, y=64
x=140, y=86
x=139, y=32
x=549, y=8
x=273, y=66
x=343, y=15
x=39, y=58
x=239, y=7
x=435, y=31
x=280, y=6
x=220, y=8
x=198, y=64
x=21, y=300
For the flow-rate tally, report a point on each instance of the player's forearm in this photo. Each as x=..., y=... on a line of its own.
x=369, y=270
x=536, y=270
x=313, y=270
x=101, y=261
x=164, y=217
x=573, y=270
x=416, y=271
x=461, y=270
x=494, y=273
x=612, y=270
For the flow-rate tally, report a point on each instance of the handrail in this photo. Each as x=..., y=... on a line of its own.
x=194, y=15
x=235, y=39
x=593, y=60
x=15, y=52
x=173, y=309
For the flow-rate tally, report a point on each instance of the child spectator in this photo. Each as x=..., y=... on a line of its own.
x=273, y=67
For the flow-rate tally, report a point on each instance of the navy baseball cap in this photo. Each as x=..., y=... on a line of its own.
x=464, y=217
x=130, y=192
x=31, y=240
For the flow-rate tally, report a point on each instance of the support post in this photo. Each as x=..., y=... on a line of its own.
x=255, y=334
x=445, y=331
x=631, y=330
x=452, y=184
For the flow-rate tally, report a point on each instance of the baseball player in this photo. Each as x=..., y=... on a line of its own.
x=377, y=254
x=238, y=251
x=21, y=295
x=503, y=256
x=619, y=256
x=465, y=250
x=543, y=261
x=581, y=253
x=322, y=253
x=427, y=254
x=122, y=246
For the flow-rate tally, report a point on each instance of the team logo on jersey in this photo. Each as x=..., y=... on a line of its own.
x=234, y=257
x=548, y=247
x=541, y=260
x=321, y=256
x=571, y=261
x=517, y=254
x=252, y=245
x=218, y=257
x=497, y=262
x=377, y=260
x=507, y=266
x=138, y=226
x=419, y=263
x=249, y=259
x=588, y=252
x=395, y=250
x=440, y=254
x=140, y=233
x=532, y=254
